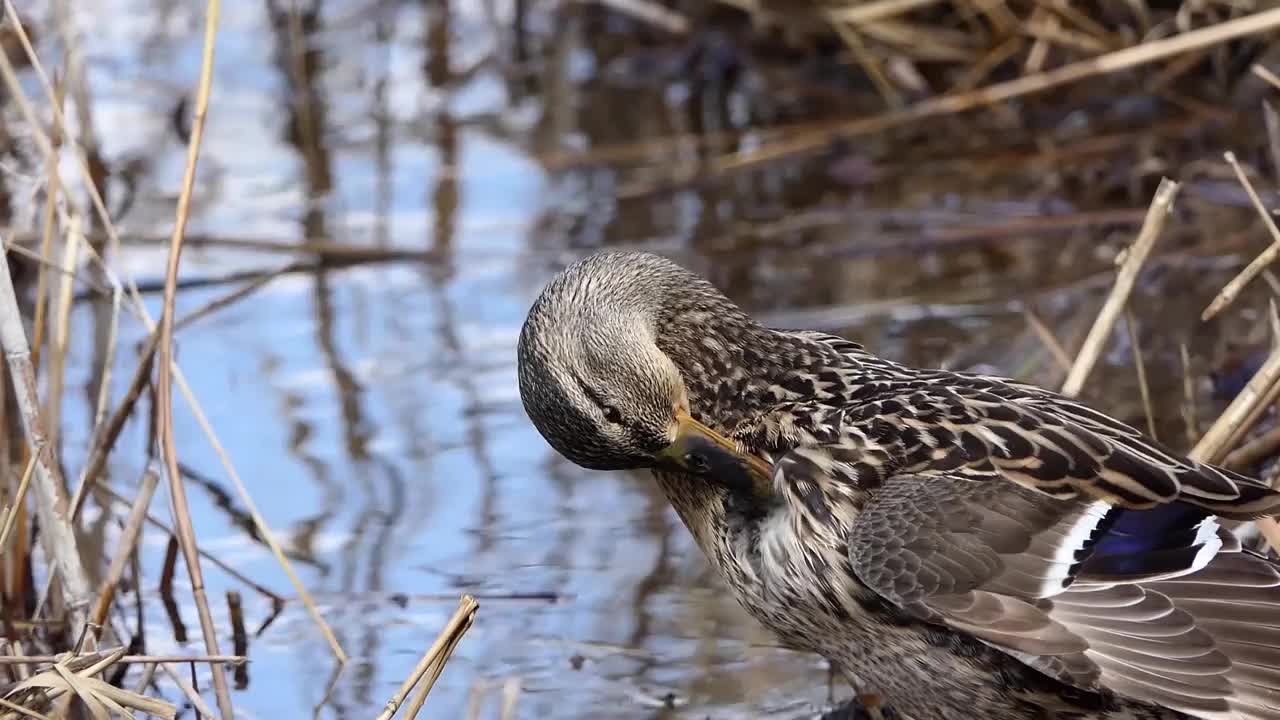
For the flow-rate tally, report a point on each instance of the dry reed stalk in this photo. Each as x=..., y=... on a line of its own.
x=139, y=308
x=1216, y=442
x=1270, y=77
x=1051, y=32
x=1026, y=85
x=1232, y=289
x=106, y=434
x=72, y=674
x=164, y=381
x=61, y=338
x=17, y=248
x=1258, y=394
x=56, y=532
x=147, y=674
x=867, y=12
x=1189, y=408
x=458, y=625
x=108, y=362
x=52, y=188
x=23, y=711
x=660, y=17
x=1086, y=24
x=1134, y=258
x=434, y=659
x=922, y=43
x=870, y=64
x=124, y=548
x=23, y=670
x=192, y=694
x=11, y=512
x=19, y=98
x=135, y=659
x=220, y=564
x=1040, y=49
x=222, y=301
x=1272, y=122
x=261, y=524
x=993, y=58
x=1260, y=448
x=1001, y=17
x=1056, y=351
x=1140, y=366
x=109, y=432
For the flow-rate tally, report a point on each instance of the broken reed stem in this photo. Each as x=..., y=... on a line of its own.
x=1232, y=289
x=452, y=635
x=1260, y=393
x=56, y=533
x=139, y=308
x=435, y=657
x=164, y=382
x=1134, y=258
x=124, y=548
x=953, y=103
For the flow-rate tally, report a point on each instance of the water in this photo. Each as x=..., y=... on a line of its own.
x=373, y=411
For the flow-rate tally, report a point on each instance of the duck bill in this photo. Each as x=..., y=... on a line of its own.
x=700, y=450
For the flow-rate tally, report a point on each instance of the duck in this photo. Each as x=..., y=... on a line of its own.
x=959, y=545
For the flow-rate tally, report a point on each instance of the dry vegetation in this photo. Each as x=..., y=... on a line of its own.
x=925, y=60
x=64, y=650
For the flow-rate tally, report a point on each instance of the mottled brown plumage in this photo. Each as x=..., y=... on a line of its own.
x=965, y=545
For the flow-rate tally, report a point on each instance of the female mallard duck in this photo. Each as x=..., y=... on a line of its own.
x=964, y=545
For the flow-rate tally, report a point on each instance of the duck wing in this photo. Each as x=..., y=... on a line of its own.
x=1159, y=605
x=936, y=421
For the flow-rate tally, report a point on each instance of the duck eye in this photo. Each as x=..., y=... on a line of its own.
x=612, y=414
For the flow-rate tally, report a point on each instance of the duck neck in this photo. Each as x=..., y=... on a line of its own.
x=733, y=368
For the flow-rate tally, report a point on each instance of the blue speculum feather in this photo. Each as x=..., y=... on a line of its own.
x=1135, y=542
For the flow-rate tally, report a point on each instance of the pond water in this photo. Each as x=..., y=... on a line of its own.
x=373, y=410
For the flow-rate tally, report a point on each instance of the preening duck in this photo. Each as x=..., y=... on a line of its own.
x=963, y=545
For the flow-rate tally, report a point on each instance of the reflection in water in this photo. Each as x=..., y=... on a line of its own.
x=374, y=409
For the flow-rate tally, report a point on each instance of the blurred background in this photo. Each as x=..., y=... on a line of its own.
x=385, y=185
